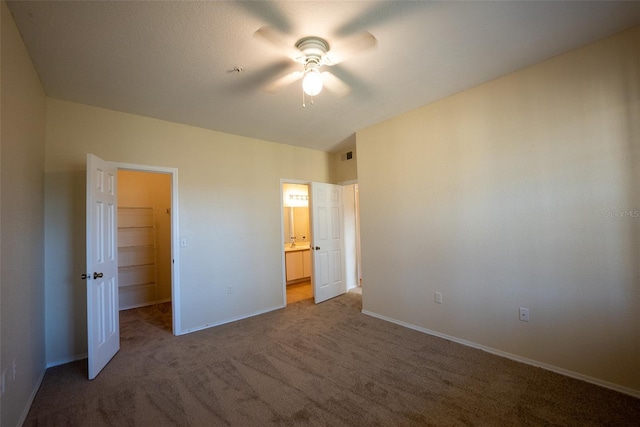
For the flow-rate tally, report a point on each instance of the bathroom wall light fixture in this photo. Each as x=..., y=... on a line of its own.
x=296, y=200
x=298, y=197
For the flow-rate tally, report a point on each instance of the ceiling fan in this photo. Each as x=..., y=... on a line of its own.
x=313, y=53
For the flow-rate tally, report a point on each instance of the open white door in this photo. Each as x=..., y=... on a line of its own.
x=327, y=241
x=103, y=327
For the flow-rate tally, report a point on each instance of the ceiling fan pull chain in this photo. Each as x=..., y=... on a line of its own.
x=304, y=105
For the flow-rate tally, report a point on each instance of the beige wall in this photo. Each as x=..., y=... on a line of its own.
x=229, y=211
x=21, y=224
x=522, y=192
x=152, y=190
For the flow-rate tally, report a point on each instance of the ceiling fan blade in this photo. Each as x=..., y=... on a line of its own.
x=334, y=84
x=267, y=12
x=378, y=14
x=273, y=37
x=352, y=46
x=283, y=81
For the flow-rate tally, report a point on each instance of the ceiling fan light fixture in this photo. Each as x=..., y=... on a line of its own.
x=312, y=82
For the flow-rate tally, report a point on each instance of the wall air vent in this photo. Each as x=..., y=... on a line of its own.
x=346, y=156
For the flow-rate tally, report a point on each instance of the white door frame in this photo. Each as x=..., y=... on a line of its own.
x=175, y=252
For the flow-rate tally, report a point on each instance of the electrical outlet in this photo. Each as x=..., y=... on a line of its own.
x=524, y=314
x=438, y=296
x=229, y=289
x=14, y=370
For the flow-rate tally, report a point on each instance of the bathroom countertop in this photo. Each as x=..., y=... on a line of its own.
x=297, y=248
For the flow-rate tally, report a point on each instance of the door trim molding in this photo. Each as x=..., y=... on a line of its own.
x=175, y=252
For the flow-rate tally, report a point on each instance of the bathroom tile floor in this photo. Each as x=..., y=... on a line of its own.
x=299, y=291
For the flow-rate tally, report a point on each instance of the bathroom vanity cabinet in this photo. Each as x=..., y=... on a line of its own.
x=298, y=264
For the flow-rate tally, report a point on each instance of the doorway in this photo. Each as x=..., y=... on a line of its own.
x=296, y=235
x=166, y=217
x=298, y=269
x=352, y=235
x=144, y=238
x=103, y=331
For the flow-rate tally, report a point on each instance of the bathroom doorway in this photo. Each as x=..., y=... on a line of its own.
x=296, y=237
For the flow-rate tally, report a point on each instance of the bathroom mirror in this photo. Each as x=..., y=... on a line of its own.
x=296, y=223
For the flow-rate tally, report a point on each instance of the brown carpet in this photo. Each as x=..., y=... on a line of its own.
x=313, y=365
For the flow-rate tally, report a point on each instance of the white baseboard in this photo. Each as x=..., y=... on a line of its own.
x=67, y=360
x=562, y=371
x=23, y=417
x=235, y=319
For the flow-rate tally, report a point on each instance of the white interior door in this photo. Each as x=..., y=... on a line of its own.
x=328, y=241
x=103, y=327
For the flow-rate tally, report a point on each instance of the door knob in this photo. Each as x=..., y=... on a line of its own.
x=85, y=276
x=317, y=248
x=97, y=275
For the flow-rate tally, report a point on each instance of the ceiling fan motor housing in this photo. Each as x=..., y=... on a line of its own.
x=313, y=49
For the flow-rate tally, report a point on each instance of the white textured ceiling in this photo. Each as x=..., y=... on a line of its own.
x=173, y=60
